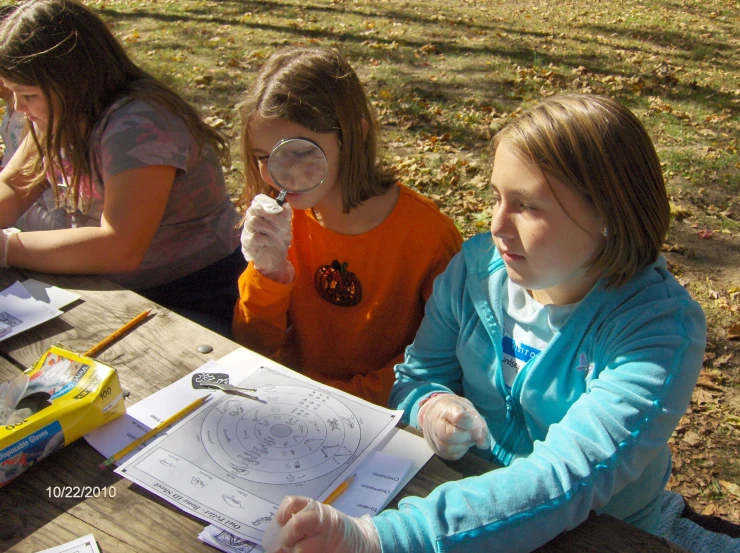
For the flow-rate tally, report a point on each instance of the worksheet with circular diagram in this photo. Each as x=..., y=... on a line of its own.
x=233, y=461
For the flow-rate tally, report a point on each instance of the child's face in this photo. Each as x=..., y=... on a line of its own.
x=547, y=234
x=265, y=134
x=31, y=101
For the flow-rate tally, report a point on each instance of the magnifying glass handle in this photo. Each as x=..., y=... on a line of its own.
x=281, y=197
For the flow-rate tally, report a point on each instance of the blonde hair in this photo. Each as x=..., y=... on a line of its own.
x=64, y=48
x=317, y=89
x=601, y=150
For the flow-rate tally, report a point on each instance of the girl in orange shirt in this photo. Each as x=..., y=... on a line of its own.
x=338, y=275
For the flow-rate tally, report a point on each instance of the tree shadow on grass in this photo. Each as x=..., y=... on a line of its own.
x=445, y=37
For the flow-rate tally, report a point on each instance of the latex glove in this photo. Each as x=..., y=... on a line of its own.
x=307, y=526
x=5, y=237
x=451, y=426
x=11, y=392
x=266, y=237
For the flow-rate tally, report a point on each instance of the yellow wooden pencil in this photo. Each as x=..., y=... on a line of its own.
x=341, y=488
x=114, y=335
x=153, y=432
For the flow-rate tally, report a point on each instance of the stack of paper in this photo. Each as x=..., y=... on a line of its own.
x=377, y=481
x=30, y=303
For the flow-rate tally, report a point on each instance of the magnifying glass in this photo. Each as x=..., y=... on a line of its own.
x=297, y=165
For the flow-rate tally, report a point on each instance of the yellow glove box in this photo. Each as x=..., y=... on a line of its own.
x=49, y=406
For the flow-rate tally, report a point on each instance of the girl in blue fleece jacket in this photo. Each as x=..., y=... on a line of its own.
x=558, y=345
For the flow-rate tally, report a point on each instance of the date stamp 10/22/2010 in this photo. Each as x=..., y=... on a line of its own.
x=80, y=492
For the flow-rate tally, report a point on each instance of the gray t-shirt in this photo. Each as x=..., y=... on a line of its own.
x=199, y=223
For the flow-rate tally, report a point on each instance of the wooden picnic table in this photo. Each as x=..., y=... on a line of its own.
x=155, y=354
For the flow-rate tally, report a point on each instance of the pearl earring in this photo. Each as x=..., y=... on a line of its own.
x=605, y=232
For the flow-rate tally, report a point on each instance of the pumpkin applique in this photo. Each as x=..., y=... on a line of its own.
x=337, y=285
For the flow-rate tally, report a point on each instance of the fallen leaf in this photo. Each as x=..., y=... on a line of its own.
x=679, y=213
x=723, y=359
x=710, y=510
x=204, y=79
x=734, y=489
x=707, y=384
x=692, y=438
x=675, y=248
x=704, y=234
x=733, y=333
x=700, y=396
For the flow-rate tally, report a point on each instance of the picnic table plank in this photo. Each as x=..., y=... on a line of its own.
x=8, y=370
x=42, y=524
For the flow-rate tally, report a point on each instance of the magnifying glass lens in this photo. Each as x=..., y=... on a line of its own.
x=297, y=165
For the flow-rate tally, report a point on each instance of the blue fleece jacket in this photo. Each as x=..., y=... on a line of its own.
x=585, y=426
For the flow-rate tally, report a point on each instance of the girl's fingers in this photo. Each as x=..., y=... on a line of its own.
x=304, y=529
x=291, y=505
x=473, y=427
x=454, y=434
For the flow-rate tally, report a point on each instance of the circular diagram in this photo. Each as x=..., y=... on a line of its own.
x=299, y=434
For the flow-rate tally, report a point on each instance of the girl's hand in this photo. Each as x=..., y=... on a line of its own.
x=5, y=237
x=266, y=237
x=307, y=526
x=451, y=426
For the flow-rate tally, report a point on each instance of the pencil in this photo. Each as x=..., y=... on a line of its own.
x=153, y=432
x=341, y=488
x=108, y=339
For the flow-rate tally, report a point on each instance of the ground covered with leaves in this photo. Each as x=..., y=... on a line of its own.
x=445, y=76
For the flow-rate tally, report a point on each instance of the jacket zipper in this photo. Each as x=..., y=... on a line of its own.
x=513, y=432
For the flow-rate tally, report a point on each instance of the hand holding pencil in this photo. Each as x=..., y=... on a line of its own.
x=315, y=527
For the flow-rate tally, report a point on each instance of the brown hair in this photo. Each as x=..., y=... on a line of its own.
x=601, y=150
x=62, y=47
x=317, y=89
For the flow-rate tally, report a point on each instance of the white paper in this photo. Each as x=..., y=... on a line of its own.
x=19, y=311
x=234, y=459
x=117, y=434
x=408, y=445
x=85, y=544
x=150, y=411
x=54, y=297
x=375, y=484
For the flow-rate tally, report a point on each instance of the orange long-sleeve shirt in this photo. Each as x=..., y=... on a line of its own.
x=356, y=301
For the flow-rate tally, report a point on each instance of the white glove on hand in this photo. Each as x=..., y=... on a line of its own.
x=5, y=236
x=266, y=237
x=451, y=425
x=307, y=526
